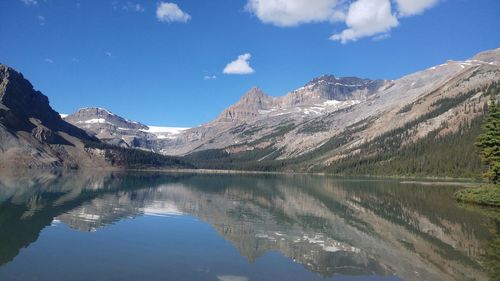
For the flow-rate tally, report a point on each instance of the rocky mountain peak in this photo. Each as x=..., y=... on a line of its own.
x=247, y=108
x=330, y=87
x=490, y=56
x=18, y=95
x=254, y=91
x=96, y=118
x=22, y=108
x=256, y=98
x=95, y=110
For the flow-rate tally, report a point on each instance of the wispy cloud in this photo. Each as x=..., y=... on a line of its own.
x=134, y=7
x=48, y=60
x=109, y=54
x=30, y=2
x=75, y=60
x=239, y=66
x=170, y=12
x=41, y=20
x=209, y=77
x=382, y=36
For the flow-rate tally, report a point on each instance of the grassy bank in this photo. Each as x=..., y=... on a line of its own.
x=484, y=195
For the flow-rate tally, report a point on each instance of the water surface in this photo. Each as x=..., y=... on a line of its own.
x=147, y=226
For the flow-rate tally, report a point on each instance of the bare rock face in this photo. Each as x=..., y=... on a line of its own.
x=329, y=87
x=248, y=107
x=21, y=104
x=32, y=134
x=490, y=56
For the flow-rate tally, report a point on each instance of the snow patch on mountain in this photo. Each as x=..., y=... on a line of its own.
x=95, y=121
x=165, y=132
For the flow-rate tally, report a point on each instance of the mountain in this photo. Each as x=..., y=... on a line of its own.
x=119, y=131
x=353, y=125
x=421, y=124
x=249, y=107
x=33, y=135
x=258, y=116
x=321, y=94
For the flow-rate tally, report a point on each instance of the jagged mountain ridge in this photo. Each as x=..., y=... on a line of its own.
x=96, y=115
x=32, y=134
x=317, y=94
x=437, y=100
x=326, y=93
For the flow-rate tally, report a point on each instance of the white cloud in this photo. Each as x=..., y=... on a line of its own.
x=135, y=7
x=41, y=20
x=30, y=2
x=209, y=77
x=75, y=60
x=382, y=36
x=363, y=18
x=294, y=12
x=170, y=12
x=414, y=7
x=47, y=60
x=239, y=66
x=367, y=18
x=109, y=54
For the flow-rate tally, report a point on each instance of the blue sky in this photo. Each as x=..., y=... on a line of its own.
x=180, y=63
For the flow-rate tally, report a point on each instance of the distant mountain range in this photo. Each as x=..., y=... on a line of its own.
x=421, y=124
x=33, y=135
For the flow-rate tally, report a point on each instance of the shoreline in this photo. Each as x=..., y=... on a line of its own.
x=484, y=195
x=423, y=180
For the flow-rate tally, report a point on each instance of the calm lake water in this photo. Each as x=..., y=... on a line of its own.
x=146, y=226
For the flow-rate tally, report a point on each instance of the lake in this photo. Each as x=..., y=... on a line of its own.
x=220, y=227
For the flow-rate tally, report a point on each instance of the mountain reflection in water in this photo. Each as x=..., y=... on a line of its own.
x=333, y=228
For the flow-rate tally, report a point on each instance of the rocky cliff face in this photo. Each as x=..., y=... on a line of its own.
x=32, y=134
x=315, y=96
x=248, y=107
x=23, y=108
x=331, y=88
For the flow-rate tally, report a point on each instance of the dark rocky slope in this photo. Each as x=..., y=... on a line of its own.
x=33, y=135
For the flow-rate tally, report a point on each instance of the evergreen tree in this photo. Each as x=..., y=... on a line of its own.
x=489, y=143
